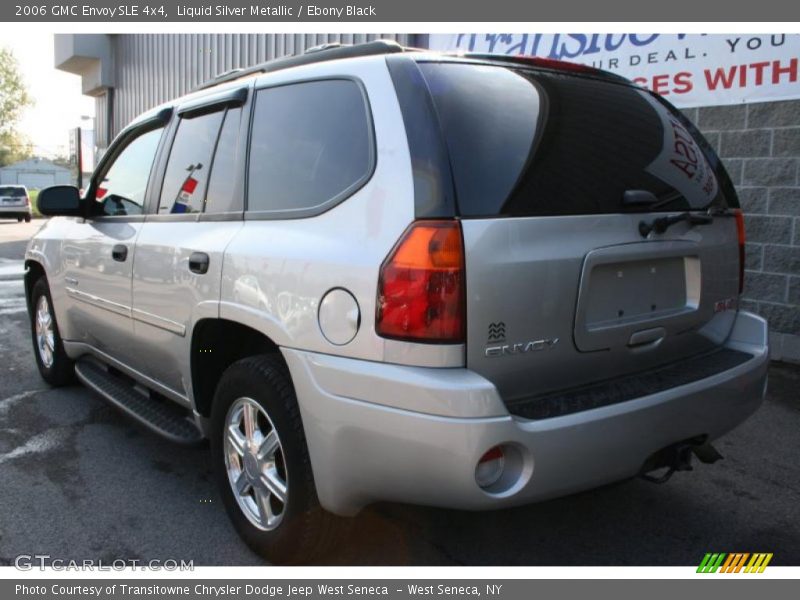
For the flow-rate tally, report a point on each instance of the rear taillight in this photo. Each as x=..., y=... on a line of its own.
x=27, y=200
x=740, y=232
x=421, y=285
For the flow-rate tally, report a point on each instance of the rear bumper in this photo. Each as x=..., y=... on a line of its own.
x=370, y=440
x=14, y=212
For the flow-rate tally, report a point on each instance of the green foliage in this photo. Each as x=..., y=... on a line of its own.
x=14, y=98
x=34, y=196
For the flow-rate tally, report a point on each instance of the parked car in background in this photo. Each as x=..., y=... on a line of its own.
x=375, y=274
x=15, y=203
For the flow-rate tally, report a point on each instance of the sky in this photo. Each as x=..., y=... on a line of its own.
x=58, y=102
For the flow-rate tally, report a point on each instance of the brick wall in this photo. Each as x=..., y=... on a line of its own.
x=760, y=146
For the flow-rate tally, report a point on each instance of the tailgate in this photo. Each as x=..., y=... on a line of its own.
x=555, y=303
x=559, y=179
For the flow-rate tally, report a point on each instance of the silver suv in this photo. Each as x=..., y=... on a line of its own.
x=374, y=274
x=15, y=203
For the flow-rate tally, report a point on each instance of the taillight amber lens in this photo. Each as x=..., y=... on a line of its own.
x=421, y=285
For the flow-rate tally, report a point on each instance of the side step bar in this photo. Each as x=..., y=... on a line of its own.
x=160, y=416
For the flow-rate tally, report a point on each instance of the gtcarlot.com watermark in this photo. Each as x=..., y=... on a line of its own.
x=29, y=562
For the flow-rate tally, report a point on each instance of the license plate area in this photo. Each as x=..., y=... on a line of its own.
x=635, y=287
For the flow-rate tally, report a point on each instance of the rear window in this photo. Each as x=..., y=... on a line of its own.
x=12, y=191
x=531, y=143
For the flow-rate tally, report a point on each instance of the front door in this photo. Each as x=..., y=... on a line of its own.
x=98, y=256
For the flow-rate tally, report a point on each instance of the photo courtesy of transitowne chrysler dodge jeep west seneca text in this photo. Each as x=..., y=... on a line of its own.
x=369, y=273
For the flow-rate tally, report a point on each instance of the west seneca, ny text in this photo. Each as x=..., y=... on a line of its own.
x=259, y=590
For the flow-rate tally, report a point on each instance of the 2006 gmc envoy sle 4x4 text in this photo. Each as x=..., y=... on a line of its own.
x=369, y=273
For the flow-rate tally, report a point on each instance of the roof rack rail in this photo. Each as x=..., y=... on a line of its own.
x=322, y=53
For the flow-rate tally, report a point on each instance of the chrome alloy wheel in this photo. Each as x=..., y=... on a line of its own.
x=255, y=464
x=45, y=334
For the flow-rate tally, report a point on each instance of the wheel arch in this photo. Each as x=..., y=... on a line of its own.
x=33, y=272
x=216, y=344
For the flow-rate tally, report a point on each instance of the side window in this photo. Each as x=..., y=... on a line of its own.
x=219, y=197
x=310, y=144
x=189, y=163
x=121, y=189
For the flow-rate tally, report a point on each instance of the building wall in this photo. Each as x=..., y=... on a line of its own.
x=760, y=145
x=35, y=174
x=153, y=68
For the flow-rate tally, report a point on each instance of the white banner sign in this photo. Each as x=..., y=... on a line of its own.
x=689, y=69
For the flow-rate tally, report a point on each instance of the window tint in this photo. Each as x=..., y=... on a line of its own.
x=488, y=115
x=189, y=162
x=310, y=143
x=121, y=190
x=219, y=197
x=525, y=143
x=12, y=191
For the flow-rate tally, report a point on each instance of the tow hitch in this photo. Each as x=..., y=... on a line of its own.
x=678, y=457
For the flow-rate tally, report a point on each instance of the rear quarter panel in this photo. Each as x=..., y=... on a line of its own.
x=287, y=265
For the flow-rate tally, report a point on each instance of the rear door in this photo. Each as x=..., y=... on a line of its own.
x=565, y=285
x=179, y=252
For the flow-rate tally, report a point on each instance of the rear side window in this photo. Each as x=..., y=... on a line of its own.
x=311, y=146
x=184, y=187
x=525, y=143
x=12, y=192
x=220, y=197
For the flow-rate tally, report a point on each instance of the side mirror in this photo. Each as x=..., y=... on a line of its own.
x=60, y=201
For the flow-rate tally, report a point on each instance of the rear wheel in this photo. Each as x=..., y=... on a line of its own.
x=54, y=365
x=262, y=465
x=27, y=218
x=19, y=219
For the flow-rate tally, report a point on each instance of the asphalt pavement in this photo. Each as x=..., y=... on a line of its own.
x=78, y=480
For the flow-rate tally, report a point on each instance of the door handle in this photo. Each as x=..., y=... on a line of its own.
x=198, y=263
x=648, y=338
x=119, y=252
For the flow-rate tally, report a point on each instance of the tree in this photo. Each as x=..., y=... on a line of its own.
x=14, y=98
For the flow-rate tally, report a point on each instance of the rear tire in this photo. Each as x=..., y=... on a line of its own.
x=55, y=367
x=27, y=218
x=19, y=219
x=272, y=501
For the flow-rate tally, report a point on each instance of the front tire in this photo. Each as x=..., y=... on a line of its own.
x=262, y=465
x=55, y=367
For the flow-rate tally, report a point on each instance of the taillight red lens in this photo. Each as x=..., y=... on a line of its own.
x=421, y=285
x=740, y=232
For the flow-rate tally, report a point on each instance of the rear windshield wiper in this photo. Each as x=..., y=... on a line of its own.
x=661, y=224
x=647, y=200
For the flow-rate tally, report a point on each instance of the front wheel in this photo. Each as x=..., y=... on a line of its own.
x=54, y=365
x=262, y=465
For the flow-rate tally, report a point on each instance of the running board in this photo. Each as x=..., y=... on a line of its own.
x=160, y=416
